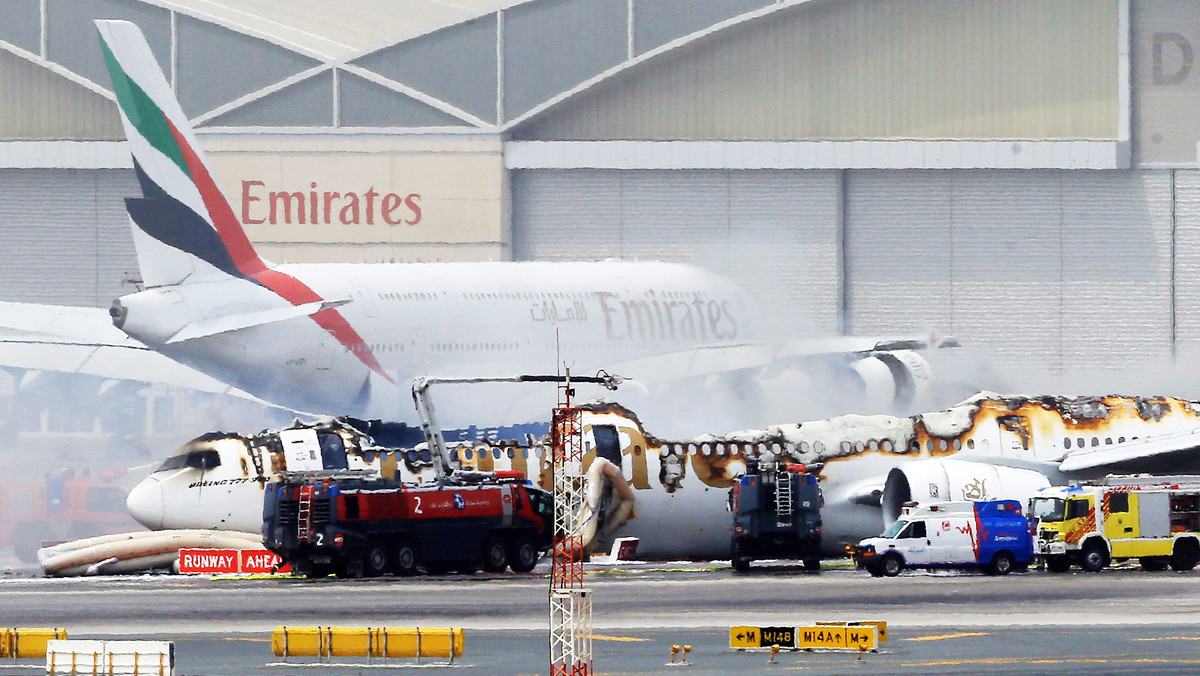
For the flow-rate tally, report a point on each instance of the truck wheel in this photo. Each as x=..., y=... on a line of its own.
x=892, y=564
x=812, y=563
x=523, y=555
x=404, y=558
x=1186, y=555
x=1058, y=564
x=375, y=559
x=1002, y=564
x=1094, y=558
x=1153, y=563
x=28, y=540
x=738, y=558
x=495, y=554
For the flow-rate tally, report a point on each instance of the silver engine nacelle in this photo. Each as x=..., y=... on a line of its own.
x=954, y=480
x=893, y=379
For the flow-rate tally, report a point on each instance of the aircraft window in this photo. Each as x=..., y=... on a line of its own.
x=202, y=460
x=886, y=445
x=858, y=446
x=1080, y=442
x=874, y=445
x=691, y=449
x=970, y=443
x=776, y=449
x=1095, y=441
x=511, y=454
x=525, y=453
x=818, y=447
x=469, y=454
x=1120, y=440
x=1067, y=442
x=958, y=444
x=929, y=445
x=705, y=450
x=425, y=455
x=1108, y=441
x=803, y=446
x=496, y=453
x=333, y=451
x=105, y=499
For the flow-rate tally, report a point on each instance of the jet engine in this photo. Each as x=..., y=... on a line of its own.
x=893, y=380
x=950, y=480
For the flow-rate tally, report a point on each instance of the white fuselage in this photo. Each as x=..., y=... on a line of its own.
x=474, y=319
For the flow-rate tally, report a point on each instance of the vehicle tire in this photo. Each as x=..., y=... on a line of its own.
x=495, y=554
x=1186, y=555
x=27, y=540
x=1154, y=564
x=812, y=563
x=737, y=556
x=1058, y=563
x=1002, y=563
x=523, y=555
x=404, y=558
x=874, y=569
x=376, y=561
x=892, y=564
x=1094, y=557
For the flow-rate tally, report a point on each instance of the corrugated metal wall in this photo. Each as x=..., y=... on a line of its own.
x=66, y=235
x=40, y=105
x=862, y=69
x=770, y=230
x=1054, y=269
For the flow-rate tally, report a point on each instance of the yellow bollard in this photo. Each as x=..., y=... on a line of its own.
x=674, y=653
x=774, y=652
x=862, y=648
x=686, y=649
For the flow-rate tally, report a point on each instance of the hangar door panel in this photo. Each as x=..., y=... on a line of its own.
x=1058, y=269
x=1187, y=260
x=774, y=232
x=66, y=234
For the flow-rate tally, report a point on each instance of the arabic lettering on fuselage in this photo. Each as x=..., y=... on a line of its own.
x=650, y=318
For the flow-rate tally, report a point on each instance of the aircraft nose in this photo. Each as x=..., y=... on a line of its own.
x=145, y=503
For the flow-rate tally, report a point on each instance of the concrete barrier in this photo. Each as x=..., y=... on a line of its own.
x=27, y=642
x=369, y=642
x=79, y=658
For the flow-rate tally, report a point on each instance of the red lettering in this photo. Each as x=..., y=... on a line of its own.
x=349, y=213
x=329, y=198
x=411, y=203
x=247, y=198
x=391, y=202
x=371, y=195
x=312, y=201
x=285, y=199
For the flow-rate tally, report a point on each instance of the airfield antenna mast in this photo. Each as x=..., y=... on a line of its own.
x=570, y=601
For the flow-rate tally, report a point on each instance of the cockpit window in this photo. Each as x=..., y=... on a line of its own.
x=201, y=459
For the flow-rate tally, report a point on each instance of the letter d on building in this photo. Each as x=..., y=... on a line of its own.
x=1185, y=58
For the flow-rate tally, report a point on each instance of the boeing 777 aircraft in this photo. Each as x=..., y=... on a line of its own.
x=349, y=338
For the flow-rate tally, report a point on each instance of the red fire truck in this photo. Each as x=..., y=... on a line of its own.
x=64, y=507
x=346, y=524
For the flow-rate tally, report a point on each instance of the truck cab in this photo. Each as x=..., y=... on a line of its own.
x=992, y=535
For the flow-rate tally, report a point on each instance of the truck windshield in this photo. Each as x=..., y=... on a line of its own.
x=894, y=529
x=1046, y=509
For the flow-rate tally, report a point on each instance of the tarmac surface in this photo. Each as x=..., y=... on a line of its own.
x=1116, y=621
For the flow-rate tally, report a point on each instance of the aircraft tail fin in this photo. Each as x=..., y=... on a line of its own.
x=184, y=228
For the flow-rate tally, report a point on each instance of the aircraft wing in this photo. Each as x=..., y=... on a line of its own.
x=83, y=340
x=1131, y=451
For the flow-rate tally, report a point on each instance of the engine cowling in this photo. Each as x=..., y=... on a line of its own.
x=893, y=379
x=953, y=480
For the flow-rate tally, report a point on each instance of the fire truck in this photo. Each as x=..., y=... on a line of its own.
x=776, y=514
x=350, y=524
x=1155, y=520
x=64, y=507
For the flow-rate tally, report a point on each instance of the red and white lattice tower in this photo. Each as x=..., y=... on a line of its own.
x=570, y=601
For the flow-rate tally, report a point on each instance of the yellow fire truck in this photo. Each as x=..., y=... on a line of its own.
x=1153, y=519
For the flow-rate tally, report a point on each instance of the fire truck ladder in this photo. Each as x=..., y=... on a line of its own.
x=783, y=499
x=304, y=524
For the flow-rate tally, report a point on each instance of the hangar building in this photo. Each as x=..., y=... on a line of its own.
x=1021, y=174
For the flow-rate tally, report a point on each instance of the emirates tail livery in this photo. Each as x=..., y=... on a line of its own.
x=349, y=338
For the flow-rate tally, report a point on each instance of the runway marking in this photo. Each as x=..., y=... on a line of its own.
x=626, y=639
x=1169, y=638
x=941, y=637
x=1050, y=660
